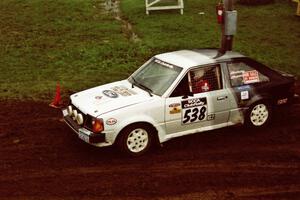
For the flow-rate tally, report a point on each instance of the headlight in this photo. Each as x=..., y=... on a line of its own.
x=79, y=119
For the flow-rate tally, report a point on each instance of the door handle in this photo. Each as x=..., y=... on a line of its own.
x=221, y=98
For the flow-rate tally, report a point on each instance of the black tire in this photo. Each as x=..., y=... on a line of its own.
x=258, y=115
x=136, y=139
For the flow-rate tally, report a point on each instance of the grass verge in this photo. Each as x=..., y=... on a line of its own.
x=80, y=45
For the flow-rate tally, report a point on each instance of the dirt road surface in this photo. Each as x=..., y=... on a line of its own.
x=41, y=158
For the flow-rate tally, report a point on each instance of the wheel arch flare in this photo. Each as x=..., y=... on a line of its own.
x=158, y=130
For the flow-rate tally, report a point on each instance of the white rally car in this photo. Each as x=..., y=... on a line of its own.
x=176, y=94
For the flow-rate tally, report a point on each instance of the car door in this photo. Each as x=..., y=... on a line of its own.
x=199, y=102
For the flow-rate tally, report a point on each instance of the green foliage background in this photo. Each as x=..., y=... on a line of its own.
x=80, y=45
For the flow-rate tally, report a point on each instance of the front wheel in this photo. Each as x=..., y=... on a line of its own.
x=259, y=114
x=135, y=140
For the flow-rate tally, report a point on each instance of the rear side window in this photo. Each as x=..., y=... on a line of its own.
x=242, y=74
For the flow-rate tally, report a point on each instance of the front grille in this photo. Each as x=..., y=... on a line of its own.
x=87, y=119
x=88, y=122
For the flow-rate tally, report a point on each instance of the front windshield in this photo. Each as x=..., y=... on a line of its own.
x=157, y=76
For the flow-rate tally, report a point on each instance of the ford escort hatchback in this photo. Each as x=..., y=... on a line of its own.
x=176, y=94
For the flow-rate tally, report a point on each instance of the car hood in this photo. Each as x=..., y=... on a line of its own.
x=109, y=97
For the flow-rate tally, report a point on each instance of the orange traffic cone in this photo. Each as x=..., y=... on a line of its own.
x=56, y=103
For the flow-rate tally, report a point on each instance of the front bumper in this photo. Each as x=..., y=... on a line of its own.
x=85, y=134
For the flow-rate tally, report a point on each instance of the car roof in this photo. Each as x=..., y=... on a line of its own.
x=196, y=57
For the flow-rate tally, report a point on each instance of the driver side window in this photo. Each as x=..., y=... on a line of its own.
x=205, y=79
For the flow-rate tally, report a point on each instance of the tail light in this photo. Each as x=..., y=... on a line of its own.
x=97, y=125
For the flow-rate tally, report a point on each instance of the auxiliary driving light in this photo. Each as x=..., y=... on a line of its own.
x=74, y=114
x=79, y=119
x=70, y=110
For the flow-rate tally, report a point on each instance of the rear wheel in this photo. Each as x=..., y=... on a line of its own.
x=259, y=114
x=136, y=139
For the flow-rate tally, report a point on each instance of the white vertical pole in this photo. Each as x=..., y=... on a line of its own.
x=180, y=2
x=146, y=2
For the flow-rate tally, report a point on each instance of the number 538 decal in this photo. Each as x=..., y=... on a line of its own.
x=194, y=110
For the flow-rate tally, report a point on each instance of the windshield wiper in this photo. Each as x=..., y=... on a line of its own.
x=141, y=86
x=146, y=88
x=134, y=82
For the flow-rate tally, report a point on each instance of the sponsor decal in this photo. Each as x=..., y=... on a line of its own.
x=111, y=121
x=282, y=101
x=236, y=74
x=196, y=102
x=98, y=97
x=174, y=105
x=244, y=87
x=250, y=77
x=123, y=91
x=194, y=110
x=175, y=108
x=211, y=117
x=244, y=95
x=164, y=63
x=110, y=94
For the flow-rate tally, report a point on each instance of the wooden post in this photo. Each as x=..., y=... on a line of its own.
x=298, y=9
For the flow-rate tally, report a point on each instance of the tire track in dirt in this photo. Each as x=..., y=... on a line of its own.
x=177, y=168
x=50, y=162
